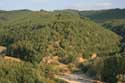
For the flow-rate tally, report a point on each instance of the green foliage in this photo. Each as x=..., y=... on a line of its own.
x=101, y=16
x=112, y=70
x=106, y=69
x=11, y=72
x=33, y=35
x=117, y=26
x=24, y=50
x=22, y=72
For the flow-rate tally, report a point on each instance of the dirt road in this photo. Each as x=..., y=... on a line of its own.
x=76, y=78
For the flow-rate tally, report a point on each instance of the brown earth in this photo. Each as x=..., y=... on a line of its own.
x=11, y=59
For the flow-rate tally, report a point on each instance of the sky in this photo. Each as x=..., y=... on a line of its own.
x=61, y=4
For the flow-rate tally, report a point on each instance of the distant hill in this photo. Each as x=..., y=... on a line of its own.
x=104, y=15
x=98, y=15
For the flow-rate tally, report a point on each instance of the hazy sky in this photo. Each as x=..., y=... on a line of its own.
x=61, y=4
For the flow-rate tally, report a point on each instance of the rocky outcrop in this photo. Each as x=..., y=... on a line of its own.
x=3, y=50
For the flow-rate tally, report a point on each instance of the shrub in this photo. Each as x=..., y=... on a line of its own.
x=106, y=69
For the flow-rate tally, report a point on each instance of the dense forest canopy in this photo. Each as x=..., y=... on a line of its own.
x=32, y=35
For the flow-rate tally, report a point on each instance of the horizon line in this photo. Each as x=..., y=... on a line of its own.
x=59, y=9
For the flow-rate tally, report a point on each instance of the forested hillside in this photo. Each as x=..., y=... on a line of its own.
x=117, y=25
x=32, y=36
x=113, y=19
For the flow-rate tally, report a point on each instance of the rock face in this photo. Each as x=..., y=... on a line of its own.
x=80, y=60
x=3, y=50
x=50, y=60
x=94, y=55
